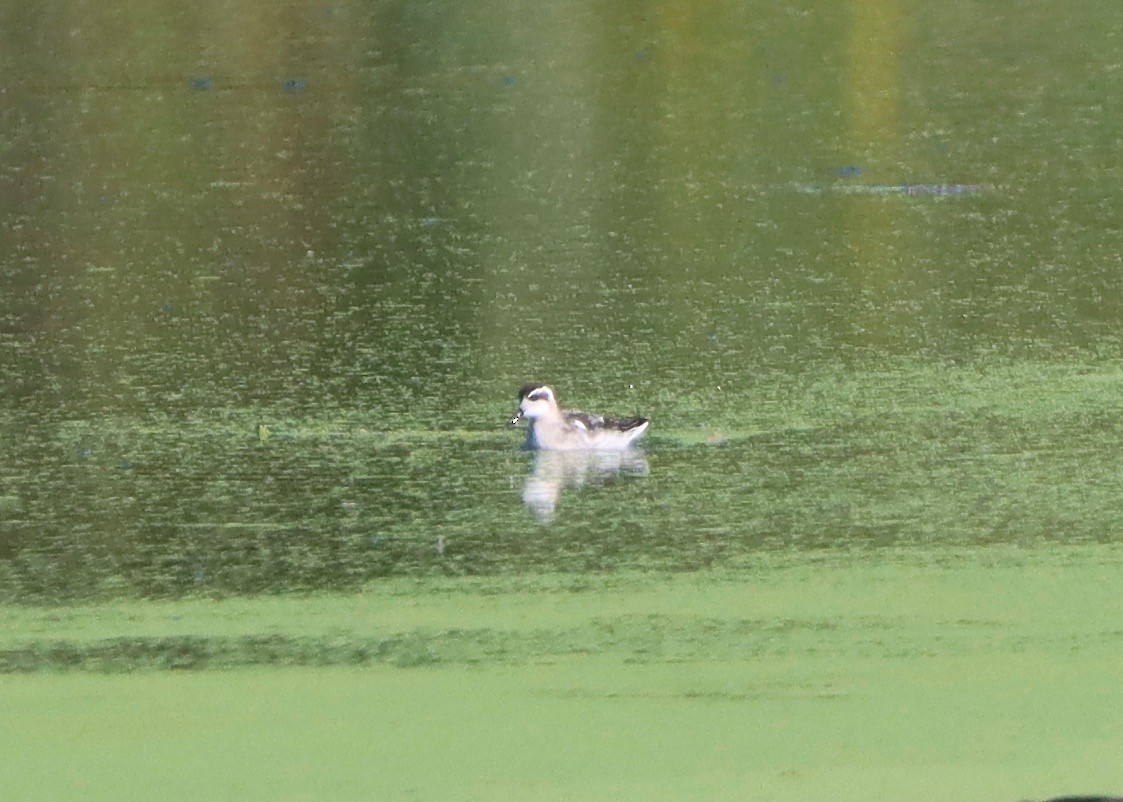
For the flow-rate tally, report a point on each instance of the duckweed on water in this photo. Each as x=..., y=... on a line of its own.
x=801, y=675
x=266, y=302
x=1017, y=453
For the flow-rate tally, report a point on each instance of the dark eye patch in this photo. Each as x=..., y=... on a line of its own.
x=538, y=396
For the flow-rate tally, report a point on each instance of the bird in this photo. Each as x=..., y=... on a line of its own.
x=555, y=429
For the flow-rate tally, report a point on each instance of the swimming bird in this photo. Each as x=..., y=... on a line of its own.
x=555, y=429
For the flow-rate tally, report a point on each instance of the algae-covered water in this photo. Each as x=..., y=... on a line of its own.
x=958, y=673
x=271, y=277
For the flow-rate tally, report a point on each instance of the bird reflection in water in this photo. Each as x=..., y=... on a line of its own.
x=555, y=471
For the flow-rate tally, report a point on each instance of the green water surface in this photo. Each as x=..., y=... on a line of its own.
x=271, y=275
x=959, y=673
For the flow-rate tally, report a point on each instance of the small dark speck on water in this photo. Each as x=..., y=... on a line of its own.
x=294, y=85
x=202, y=83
